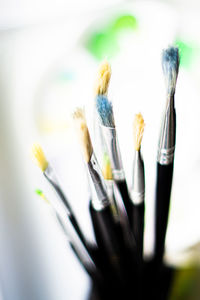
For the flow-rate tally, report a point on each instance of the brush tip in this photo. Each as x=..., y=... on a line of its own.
x=170, y=64
x=138, y=130
x=39, y=157
x=105, y=111
x=79, y=114
x=83, y=133
x=103, y=79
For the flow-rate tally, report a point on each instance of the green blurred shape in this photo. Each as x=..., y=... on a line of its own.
x=125, y=22
x=185, y=284
x=188, y=53
x=106, y=41
x=38, y=192
x=102, y=44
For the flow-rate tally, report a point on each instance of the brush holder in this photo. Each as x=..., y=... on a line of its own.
x=156, y=285
x=170, y=283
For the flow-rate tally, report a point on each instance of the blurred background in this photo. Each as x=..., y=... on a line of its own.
x=50, y=52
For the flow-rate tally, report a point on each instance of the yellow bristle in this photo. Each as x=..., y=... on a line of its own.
x=83, y=134
x=107, y=170
x=103, y=79
x=39, y=157
x=138, y=130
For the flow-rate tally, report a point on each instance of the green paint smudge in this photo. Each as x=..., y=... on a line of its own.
x=106, y=41
x=38, y=192
x=102, y=44
x=125, y=22
x=188, y=53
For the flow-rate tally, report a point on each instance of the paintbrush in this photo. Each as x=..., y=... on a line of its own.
x=120, y=215
x=166, y=148
x=128, y=245
x=100, y=88
x=100, y=206
x=72, y=238
x=40, y=159
x=138, y=184
x=106, y=117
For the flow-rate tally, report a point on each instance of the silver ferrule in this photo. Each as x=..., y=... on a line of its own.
x=112, y=146
x=50, y=175
x=101, y=201
x=138, y=184
x=166, y=146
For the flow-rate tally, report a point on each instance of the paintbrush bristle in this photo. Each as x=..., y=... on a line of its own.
x=39, y=157
x=107, y=170
x=83, y=133
x=103, y=79
x=138, y=130
x=170, y=64
x=105, y=111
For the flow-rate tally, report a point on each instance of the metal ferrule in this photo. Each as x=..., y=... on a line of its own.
x=166, y=144
x=50, y=175
x=112, y=145
x=101, y=201
x=138, y=187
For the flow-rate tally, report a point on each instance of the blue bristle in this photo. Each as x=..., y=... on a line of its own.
x=105, y=110
x=170, y=64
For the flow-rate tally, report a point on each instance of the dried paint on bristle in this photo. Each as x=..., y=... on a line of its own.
x=103, y=79
x=138, y=130
x=105, y=110
x=107, y=170
x=83, y=134
x=39, y=157
x=170, y=64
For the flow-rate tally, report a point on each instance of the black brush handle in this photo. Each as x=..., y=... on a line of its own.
x=163, y=192
x=86, y=261
x=120, y=271
x=87, y=268
x=109, y=246
x=105, y=231
x=78, y=230
x=138, y=226
x=89, y=247
x=70, y=212
x=96, y=276
x=123, y=190
x=108, y=240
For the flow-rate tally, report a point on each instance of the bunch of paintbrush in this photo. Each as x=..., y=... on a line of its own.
x=130, y=203
x=117, y=212
x=88, y=255
x=108, y=130
x=72, y=236
x=108, y=233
